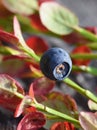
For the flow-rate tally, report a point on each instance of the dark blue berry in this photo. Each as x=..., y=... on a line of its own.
x=56, y=64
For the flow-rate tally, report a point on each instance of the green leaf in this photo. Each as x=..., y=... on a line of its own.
x=57, y=18
x=26, y=7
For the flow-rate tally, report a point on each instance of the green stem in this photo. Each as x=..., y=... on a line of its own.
x=31, y=53
x=91, y=70
x=57, y=113
x=79, y=89
x=51, y=111
x=92, y=45
x=84, y=56
x=19, y=95
x=86, y=33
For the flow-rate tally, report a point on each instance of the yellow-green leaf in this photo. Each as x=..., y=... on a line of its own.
x=57, y=18
x=26, y=7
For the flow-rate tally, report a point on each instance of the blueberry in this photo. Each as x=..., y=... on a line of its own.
x=56, y=64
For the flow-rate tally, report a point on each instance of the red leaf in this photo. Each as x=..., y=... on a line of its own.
x=37, y=44
x=81, y=49
x=10, y=105
x=32, y=121
x=8, y=88
x=31, y=92
x=92, y=29
x=8, y=37
x=62, y=126
x=24, y=106
x=42, y=86
x=36, y=23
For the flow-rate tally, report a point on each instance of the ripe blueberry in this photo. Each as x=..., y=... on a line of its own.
x=56, y=64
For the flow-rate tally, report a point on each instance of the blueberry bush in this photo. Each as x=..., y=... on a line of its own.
x=26, y=55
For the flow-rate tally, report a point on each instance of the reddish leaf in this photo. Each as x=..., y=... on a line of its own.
x=37, y=44
x=42, y=86
x=39, y=97
x=36, y=23
x=29, y=109
x=33, y=63
x=20, y=57
x=8, y=89
x=81, y=49
x=18, y=33
x=61, y=103
x=31, y=92
x=88, y=120
x=8, y=82
x=24, y=106
x=36, y=72
x=9, y=61
x=62, y=126
x=32, y=121
x=22, y=44
x=8, y=37
x=92, y=29
x=66, y=99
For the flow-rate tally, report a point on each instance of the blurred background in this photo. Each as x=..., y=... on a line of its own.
x=86, y=11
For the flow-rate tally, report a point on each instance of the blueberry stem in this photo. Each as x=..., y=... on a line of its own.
x=79, y=89
x=31, y=53
x=86, y=33
x=84, y=56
